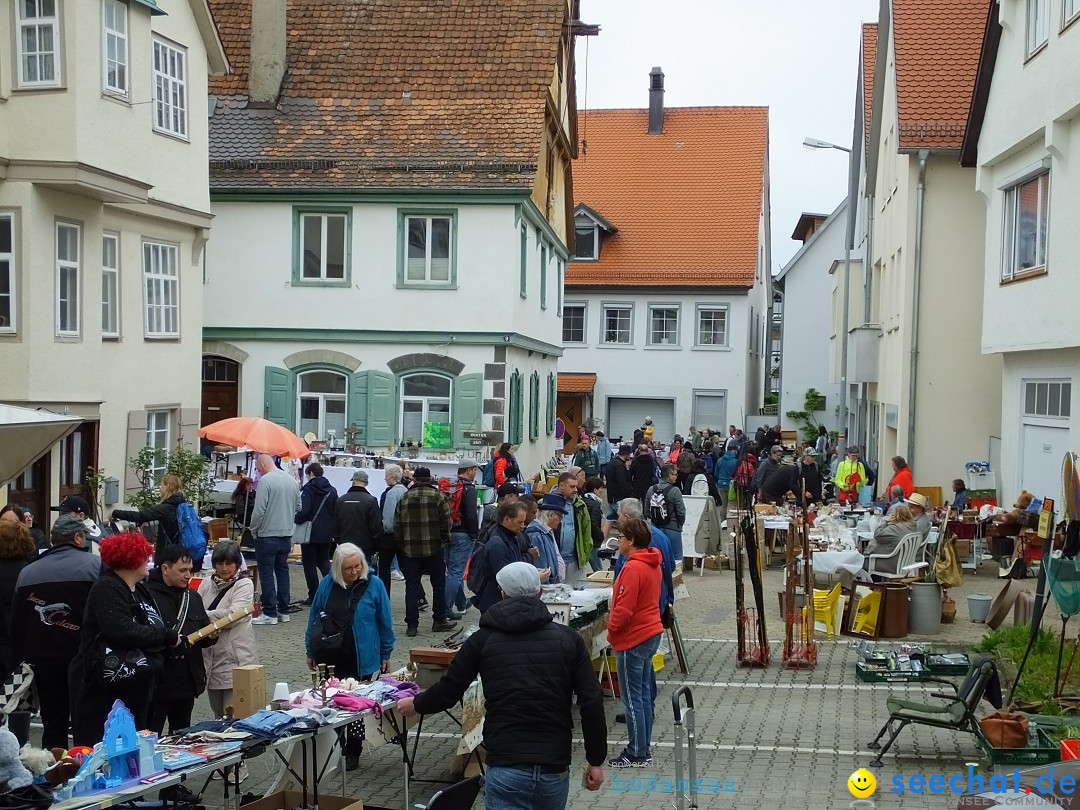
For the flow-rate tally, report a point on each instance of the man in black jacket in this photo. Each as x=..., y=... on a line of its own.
x=46, y=619
x=358, y=518
x=530, y=668
x=617, y=473
x=184, y=676
x=644, y=472
x=464, y=529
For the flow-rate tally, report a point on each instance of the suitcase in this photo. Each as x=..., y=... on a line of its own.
x=684, y=747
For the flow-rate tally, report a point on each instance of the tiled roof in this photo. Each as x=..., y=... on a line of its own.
x=869, y=57
x=686, y=203
x=477, y=73
x=937, y=44
x=576, y=383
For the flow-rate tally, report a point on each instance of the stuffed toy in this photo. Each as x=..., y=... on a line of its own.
x=1021, y=505
x=12, y=773
x=56, y=767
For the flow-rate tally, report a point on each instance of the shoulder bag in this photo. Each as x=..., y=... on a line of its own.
x=329, y=642
x=120, y=667
x=302, y=533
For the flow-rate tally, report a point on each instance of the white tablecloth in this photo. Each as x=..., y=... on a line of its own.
x=833, y=562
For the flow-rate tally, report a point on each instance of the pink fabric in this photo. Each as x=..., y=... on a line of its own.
x=352, y=703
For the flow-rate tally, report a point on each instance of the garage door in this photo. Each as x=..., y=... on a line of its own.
x=625, y=415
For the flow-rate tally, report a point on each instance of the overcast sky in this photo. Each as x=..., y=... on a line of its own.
x=798, y=58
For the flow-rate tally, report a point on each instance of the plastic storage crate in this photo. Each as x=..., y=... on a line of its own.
x=1043, y=753
x=864, y=673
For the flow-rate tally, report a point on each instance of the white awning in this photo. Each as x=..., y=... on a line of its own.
x=26, y=435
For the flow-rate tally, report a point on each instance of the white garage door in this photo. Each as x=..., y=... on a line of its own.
x=1042, y=449
x=625, y=415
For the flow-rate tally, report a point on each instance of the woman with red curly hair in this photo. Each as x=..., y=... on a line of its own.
x=120, y=617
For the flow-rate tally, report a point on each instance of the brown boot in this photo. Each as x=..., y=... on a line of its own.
x=688, y=563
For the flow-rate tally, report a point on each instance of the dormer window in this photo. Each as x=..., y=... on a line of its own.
x=590, y=229
x=588, y=240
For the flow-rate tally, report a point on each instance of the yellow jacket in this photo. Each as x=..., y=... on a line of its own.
x=845, y=471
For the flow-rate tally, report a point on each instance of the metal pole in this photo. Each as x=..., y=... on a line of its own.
x=841, y=441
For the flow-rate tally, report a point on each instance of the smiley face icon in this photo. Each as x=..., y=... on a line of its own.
x=862, y=784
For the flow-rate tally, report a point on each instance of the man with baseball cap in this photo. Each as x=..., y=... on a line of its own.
x=530, y=668
x=74, y=505
x=464, y=529
x=358, y=518
x=617, y=474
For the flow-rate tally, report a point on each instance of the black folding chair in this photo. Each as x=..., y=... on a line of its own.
x=459, y=796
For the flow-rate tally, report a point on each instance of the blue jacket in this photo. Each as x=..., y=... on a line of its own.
x=501, y=549
x=724, y=471
x=543, y=539
x=373, y=624
x=667, y=567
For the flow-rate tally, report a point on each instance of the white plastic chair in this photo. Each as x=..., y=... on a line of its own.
x=905, y=553
x=930, y=545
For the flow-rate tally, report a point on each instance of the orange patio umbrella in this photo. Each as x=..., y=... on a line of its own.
x=259, y=434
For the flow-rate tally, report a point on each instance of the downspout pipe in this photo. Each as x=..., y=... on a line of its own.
x=920, y=207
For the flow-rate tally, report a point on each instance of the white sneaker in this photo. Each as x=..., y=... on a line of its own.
x=264, y=619
x=282, y=618
x=397, y=576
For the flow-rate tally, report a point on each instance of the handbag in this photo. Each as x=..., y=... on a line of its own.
x=329, y=644
x=667, y=618
x=17, y=694
x=302, y=533
x=1005, y=729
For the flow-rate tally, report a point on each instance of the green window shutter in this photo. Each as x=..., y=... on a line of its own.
x=514, y=416
x=551, y=397
x=382, y=408
x=279, y=396
x=534, y=407
x=358, y=406
x=543, y=276
x=524, y=285
x=468, y=406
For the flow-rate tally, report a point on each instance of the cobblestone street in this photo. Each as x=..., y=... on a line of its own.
x=780, y=737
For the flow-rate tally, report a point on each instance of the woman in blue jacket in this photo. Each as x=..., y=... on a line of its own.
x=351, y=628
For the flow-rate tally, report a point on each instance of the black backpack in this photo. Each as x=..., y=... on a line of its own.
x=659, y=513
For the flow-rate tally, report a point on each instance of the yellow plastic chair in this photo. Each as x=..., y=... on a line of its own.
x=825, y=603
x=866, y=614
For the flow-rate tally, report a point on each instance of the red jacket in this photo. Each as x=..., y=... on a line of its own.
x=902, y=479
x=635, y=602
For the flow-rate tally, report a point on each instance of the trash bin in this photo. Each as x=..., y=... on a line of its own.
x=979, y=606
x=895, y=624
x=924, y=618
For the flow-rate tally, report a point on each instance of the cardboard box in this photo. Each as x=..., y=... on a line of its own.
x=249, y=690
x=289, y=799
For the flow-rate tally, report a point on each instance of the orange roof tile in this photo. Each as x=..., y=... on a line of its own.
x=576, y=383
x=869, y=58
x=686, y=203
x=937, y=44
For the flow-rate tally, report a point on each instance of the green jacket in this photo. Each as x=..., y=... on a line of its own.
x=587, y=460
x=582, y=531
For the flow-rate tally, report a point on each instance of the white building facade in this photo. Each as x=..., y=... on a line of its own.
x=102, y=228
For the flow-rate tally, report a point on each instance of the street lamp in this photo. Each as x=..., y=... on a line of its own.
x=841, y=442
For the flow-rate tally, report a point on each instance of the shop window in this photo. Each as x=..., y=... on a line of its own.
x=321, y=405
x=424, y=398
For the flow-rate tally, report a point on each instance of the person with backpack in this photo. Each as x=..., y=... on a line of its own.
x=767, y=467
x=164, y=513
x=318, y=502
x=499, y=551
x=506, y=466
x=745, y=470
x=389, y=569
x=586, y=458
x=666, y=508
x=724, y=473
x=464, y=531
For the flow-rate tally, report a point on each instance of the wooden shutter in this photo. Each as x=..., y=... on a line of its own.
x=514, y=416
x=136, y=441
x=358, y=406
x=534, y=406
x=279, y=396
x=468, y=407
x=382, y=409
x=551, y=400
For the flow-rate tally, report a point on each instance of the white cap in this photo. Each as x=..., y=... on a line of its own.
x=519, y=579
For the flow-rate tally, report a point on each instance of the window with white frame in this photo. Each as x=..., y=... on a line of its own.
x=663, y=326
x=428, y=258
x=1027, y=214
x=38, y=43
x=573, y=323
x=321, y=404
x=1048, y=398
x=110, y=285
x=324, y=246
x=114, y=46
x=7, y=272
x=1038, y=24
x=162, y=284
x=170, y=89
x=424, y=398
x=1069, y=10
x=586, y=240
x=67, y=279
x=712, y=326
x=158, y=437
x=618, y=324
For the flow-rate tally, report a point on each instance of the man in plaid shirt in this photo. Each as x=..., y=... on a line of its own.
x=422, y=530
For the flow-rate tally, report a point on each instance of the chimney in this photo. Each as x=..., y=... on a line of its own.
x=656, y=101
x=267, y=51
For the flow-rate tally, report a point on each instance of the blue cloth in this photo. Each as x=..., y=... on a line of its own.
x=373, y=623
x=457, y=553
x=667, y=567
x=543, y=540
x=568, y=533
x=272, y=557
x=674, y=537
x=635, y=669
x=960, y=501
x=514, y=789
x=266, y=723
x=604, y=451
x=724, y=470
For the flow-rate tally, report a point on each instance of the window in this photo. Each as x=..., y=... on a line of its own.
x=170, y=90
x=534, y=407
x=321, y=404
x=110, y=285
x=7, y=272
x=543, y=276
x=39, y=43
x=618, y=324
x=114, y=48
x=428, y=250
x=158, y=437
x=663, y=326
x=1038, y=24
x=1027, y=211
x=514, y=417
x=711, y=326
x=323, y=247
x=424, y=398
x=160, y=271
x=67, y=279
x=1069, y=10
x=220, y=370
x=585, y=238
x=573, y=325
x=523, y=287
x=1048, y=398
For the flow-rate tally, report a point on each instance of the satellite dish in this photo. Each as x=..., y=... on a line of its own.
x=309, y=437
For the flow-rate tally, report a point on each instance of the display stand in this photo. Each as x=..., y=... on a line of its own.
x=800, y=650
x=749, y=620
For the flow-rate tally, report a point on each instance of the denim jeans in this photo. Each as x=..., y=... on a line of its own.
x=457, y=556
x=635, y=685
x=272, y=557
x=674, y=536
x=513, y=789
x=594, y=559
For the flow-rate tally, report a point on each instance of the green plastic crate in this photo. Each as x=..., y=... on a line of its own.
x=1042, y=754
x=890, y=676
